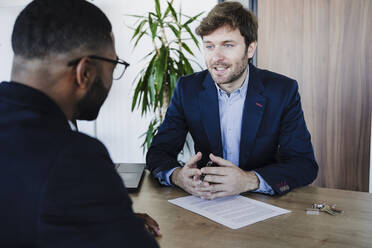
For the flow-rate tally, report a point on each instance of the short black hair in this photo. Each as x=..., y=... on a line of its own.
x=59, y=26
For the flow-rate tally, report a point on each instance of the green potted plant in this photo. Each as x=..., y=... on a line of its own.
x=166, y=62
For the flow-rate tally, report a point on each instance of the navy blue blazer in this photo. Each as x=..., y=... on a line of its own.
x=59, y=188
x=274, y=139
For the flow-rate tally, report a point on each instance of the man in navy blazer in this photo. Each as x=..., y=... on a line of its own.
x=59, y=188
x=247, y=121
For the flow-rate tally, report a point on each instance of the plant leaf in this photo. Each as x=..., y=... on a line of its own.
x=174, y=14
x=150, y=19
x=184, y=61
x=154, y=28
x=147, y=55
x=173, y=81
x=152, y=82
x=137, y=16
x=157, y=7
x=161, y=67
x=138, y=28
x=166, y=11
x=192, y=19
x=139, y=38
x=135, y=96
x=187, y=48
x=149, y=134
x=192, y=36
x=174, y=30
x=159, y=77
x=142, y=89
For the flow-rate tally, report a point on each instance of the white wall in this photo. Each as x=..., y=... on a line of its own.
x=8, y=14
x=116, y=126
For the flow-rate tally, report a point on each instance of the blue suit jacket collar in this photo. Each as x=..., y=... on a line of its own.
x=254, y=107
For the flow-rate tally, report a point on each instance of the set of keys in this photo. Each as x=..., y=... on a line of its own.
x=316, y=208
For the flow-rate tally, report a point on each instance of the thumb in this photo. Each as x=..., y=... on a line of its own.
x=193, y=160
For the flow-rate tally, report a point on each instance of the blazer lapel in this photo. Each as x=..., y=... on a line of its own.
x=254, y=107
x=210, y=116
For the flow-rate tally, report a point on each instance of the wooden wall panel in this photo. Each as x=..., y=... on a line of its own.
x=327, y=46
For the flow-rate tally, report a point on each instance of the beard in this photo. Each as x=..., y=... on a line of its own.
x=88, y=107
x=234, y=75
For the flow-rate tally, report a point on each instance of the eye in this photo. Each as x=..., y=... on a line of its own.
x=229, y=45
x=208, y=47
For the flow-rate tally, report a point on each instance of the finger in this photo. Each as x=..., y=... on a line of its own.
x=199, y=184
x=189, y=172
x=216, y=187
x=150, y=223
x=220, y=161
x=149, y=220
x=153, y=230
x=214, y=178
x=193, y=160
x=201, y=190
x=198, y=177
x=195, y=187
x=202, y=194
x=206, y=195
x=214, y=195
x=215, y=171
x=153, y=227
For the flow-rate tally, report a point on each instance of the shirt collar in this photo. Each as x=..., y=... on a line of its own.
x=72, y=126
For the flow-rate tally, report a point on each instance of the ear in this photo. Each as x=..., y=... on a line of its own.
x=86, y=72
x=251, y=49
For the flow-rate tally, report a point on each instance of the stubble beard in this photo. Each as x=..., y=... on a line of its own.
x=89, y=106
x=242, y=66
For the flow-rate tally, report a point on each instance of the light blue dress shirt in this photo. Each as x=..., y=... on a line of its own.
x=231, y=115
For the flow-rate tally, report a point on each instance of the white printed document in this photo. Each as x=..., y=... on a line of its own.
x=232, y=211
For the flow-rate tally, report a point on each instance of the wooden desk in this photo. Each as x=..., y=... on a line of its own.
x=182, y=228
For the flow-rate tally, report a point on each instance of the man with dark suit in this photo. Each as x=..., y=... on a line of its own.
x=247, y=121
x=59, y=188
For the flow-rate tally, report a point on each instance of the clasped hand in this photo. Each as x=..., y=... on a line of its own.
x=224, y=180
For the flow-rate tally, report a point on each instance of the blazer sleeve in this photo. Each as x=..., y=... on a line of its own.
x=296, y=165
x=170, y=138
x=86, y=203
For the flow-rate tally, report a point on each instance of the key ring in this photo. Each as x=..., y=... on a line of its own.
x=318, y=206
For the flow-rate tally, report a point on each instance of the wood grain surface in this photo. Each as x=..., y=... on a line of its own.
x=184, y=229
x=326, y=46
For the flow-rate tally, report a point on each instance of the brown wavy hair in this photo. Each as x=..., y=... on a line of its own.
x=234, y=15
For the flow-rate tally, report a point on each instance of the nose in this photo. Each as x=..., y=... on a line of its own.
x=218, y=55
